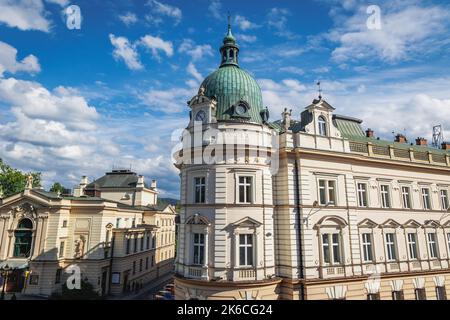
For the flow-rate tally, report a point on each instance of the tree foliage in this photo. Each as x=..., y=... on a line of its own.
x=57, y=187
x=13, y=181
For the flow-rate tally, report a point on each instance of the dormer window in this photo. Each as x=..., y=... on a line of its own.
x=322, y=126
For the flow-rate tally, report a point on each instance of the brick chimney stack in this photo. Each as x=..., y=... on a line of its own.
x=446, y=145
x=401, y=138
x=421, y=141
x=370, y=133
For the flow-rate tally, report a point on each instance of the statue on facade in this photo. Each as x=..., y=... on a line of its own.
x=79, y=246
x=29, y=184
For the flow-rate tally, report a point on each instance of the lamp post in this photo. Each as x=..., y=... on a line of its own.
x=310, y=213
x=4, y=272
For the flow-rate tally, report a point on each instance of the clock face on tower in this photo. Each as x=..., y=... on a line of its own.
x=200, y=116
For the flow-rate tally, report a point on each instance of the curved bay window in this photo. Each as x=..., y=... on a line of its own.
x=23, y=239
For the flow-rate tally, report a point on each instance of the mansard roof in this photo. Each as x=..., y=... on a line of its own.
x=116, y=179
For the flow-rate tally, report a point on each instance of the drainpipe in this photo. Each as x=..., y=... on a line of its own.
x=299, y=229
x=111, y=263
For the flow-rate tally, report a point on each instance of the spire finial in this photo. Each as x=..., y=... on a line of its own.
x=320, y=89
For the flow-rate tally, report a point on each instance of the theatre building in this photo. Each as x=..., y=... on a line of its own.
x=112, y=229
x=343, y=214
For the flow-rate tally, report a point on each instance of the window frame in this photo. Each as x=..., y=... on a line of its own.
x=426, y=201
x=441, y=293
x=200, y=189
x=443, y=196
x=246, y=246
x=433, y=247
x=327, y=188
x=198, y=259
x=391, y=247
x=407, y=204
x=414, y=244
x=322, y=125
x=367, y=247
x=245, y=184
x=362, y=194
x=388, y=196
x=330, y=244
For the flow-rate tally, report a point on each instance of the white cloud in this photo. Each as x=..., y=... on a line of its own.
x=321, y=70
x=215, y=9
x=24, y=15
x=155, y=44
x=196, y=52
x=407, y=30
x=168, y=101
x=124, y=50
x=246, y=38
x=244, y=24
x=128, y=18
x=62, y=3
x=277, y=19
x=293, y=70
x=9, y=63
x=192, y=70
x=162, y=9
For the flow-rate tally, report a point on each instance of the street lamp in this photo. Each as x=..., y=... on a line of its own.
x=4, y=272
x=310, y=213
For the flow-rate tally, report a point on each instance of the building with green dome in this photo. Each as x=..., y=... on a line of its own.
x=304, y=208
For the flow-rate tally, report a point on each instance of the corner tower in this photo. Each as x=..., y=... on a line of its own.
x=226, y=234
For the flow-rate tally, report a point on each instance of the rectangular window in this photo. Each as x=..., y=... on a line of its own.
x=420, y=294
x=153, y=241
x=432, y=245
x=448, y=241
x=398, y=295
x=373, y=296
x=142, y=243
x=245, y=189
x=426, y=198
x=146, y=263
x=385, y=197
x=134, y=267
x=128, y=245
x=331, y=248
x=246, y=250
x=64, y=225
x=367, y=247
x=61, y=249
x=406, y=198
x=148, y=242
x=327, y=192
x=390, y=247
x=444, y=199
x=199, y=248
x=412, y=246
x=362, y=194
x=200, y=189
x=153, y=261
x=140, y=265
x=58, y=276
x=118, y=223
x=135, y=243
x=441, y=294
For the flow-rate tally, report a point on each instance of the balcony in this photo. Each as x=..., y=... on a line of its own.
x=196, y=272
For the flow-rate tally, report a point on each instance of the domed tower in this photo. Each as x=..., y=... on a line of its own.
x=226, y=236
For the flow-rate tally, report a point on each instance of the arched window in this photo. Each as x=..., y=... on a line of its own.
x=23, y=238
x=322, y=126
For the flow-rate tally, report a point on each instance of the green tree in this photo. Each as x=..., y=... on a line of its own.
x=86, y=292
x=57, y=187
x=13, y=181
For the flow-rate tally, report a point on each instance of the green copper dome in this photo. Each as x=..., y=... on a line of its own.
x=238, y=95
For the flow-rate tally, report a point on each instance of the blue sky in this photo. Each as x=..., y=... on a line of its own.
x=77, y=102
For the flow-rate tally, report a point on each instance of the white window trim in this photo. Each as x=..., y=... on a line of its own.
x=394, y=245
x=429, y=245
x=408, y=246
x=330, y=234
x=327, y=196
x=246, y=231
x=441, y=199
x=246, y=246
x=319, y=133
x=195, y=188
x=389, y=196
x=409, y=197
x=372, y=251
x=424, y=204
x=253, y=186
x=366, y=194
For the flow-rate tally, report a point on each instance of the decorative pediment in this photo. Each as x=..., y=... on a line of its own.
x=411, y=224
x=24, y=210
x=198, y=219
x=331, y=221
x=446, y=224
x=431, y=224
x=247, y=222
x=367, y=223
x=390, y=223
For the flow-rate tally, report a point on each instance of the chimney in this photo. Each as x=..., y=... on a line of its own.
x=421, y=141
x=401, y=138
x=369, y=133
x=153, y=184
x=140, y=182
x=446, y=145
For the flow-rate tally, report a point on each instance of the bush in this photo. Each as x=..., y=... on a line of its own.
x=86, y=292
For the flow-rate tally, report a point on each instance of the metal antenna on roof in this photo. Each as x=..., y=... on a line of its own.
x=320, y=89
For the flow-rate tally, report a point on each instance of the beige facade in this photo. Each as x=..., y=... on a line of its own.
x=117, y=246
